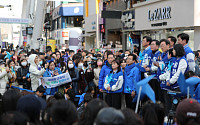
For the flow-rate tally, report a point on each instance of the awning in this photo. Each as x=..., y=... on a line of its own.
x=88, y=34
x=71, y=11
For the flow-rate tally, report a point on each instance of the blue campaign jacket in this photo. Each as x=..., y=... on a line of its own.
x=131, y=77
x=105, y=70
x=146, y=56
x=164, y=56
x=175, y=68
x=187, y=50
x=47, y=73
x=197, y=92
x=166, y=68
x=154, y=58
x=115, y=78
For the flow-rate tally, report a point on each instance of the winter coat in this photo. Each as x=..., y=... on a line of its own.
x=131, y=77
x=4, y=76
x=34, y=72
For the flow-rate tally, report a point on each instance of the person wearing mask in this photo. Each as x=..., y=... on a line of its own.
x=52, y=71
x=23, y=75
x=152, y=69
x=49, y=52
x=131, y=77
x=183, y=39
x=74, y=74
x=114, y=85
x=35, y=73
x=80, y=65
x=86, y=76
x=4, y=77
x=104, y=72
x=172, y=41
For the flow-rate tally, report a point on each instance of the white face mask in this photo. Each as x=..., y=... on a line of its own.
x=126, y=55
x=24, y=63
x=70, y=66
x=80, y=65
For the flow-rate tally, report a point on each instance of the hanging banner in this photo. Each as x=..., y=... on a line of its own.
x=51, y=82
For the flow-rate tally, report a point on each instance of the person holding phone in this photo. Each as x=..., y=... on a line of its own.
x=52, y=71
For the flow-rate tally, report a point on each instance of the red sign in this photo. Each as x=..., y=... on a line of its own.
x=65, y=34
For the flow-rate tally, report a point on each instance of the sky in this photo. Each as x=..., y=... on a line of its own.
x=16, y=8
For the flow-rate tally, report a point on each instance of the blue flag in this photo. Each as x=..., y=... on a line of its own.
x=8, y=56
x=141, y=56
x=191, y=82
x=182, y=84
x=146, y=89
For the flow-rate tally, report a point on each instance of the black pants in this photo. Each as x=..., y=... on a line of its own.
x=155, y=85
x=167, y=101
x=114, y=100
x=129, y=103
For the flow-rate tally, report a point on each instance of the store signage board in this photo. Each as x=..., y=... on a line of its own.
x=128, y=20
x=159, y=14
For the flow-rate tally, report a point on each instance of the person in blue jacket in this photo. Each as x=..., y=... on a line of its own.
x=152, y=69
x=105, y=71
x=196, y=95
x=113, y=85
x=183, y=39
x=131, y=77
x=52, y=71
x=179, y=65
x=146, y=54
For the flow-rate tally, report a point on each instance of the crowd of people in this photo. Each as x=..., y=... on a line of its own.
x=105, y=83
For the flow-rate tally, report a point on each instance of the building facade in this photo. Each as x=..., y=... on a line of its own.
x=162, y=18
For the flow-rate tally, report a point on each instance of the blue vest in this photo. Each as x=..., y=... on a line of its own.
x=131, y=77
x=154, y=58
x=115, y=77
x=175, y=68
x=164, y=56
x=187, y=50
x=166, y=68
x=147, y=56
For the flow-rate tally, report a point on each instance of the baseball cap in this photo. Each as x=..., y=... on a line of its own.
x=188, y=108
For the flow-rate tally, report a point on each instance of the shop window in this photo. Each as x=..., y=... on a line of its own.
x=78, y=21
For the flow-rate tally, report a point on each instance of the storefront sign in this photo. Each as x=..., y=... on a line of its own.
x=65, y=34
x=159, y=14
x=51, y=82
x=128, y=19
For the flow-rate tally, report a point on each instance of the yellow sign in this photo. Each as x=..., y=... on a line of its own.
x=52, y=44
x=97, y=6
x=86, y=8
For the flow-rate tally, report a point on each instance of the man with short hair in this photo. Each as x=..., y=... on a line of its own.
x=152, y=69
x=131, y=77
x=183, y=39
x=105, y=71
x=172, y=41
x=146, y=54
x=71, y=54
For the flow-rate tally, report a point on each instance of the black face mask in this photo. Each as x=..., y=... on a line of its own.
x=85, y=64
